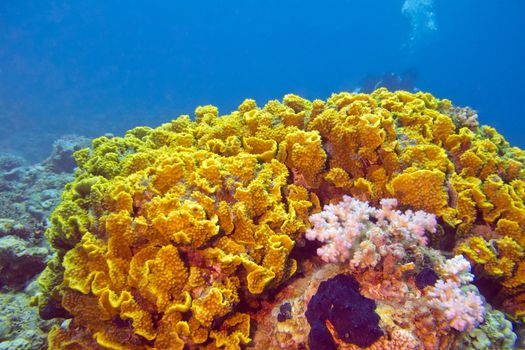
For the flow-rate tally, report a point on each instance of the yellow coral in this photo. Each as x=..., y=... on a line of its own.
x=303, y=153
x=478, y=250
x=509, y=248
x=512, y=230
x=166, y=231
x=518, y=278
x=425, y=190
x=264, y=149
x=212, y=305
x=427, y=157
x=234, y=332
x=85, y=267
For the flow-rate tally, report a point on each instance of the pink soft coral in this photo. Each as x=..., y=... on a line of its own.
x=458, y=303
x=349, y=233
x=463, y=310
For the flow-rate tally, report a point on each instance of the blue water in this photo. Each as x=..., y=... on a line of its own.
x=91, y=67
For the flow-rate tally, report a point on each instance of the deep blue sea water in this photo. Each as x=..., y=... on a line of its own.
x=92, y=67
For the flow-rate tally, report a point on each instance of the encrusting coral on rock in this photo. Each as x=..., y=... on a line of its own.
x=191, y=233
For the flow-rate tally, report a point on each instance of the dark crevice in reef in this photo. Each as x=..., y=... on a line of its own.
x=489, y=288
x=426, y=277
x=305, y=249
x=444, y=239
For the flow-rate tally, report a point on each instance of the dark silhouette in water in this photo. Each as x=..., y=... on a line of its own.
x=391, y=81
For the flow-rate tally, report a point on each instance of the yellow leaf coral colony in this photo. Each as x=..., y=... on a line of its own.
x=171, y=236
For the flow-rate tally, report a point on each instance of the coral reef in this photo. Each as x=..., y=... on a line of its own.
x=20, y=326
x=28, y=195
x=20, y=261
x=181, y=235
x=61, y=159
x=9, y=162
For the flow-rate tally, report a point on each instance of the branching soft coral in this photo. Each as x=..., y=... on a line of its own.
x=353, y=230
x=459, y=303
x=462, y=310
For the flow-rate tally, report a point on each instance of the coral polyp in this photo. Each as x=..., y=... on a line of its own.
x=185, y=234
